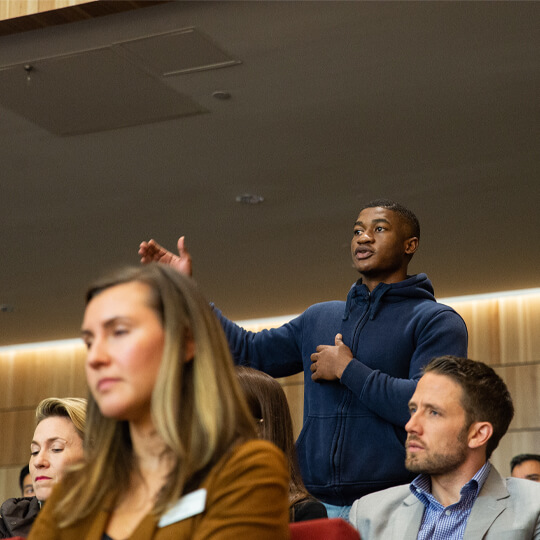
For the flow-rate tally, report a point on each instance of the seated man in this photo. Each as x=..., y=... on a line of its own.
x=459, y=412
x=526, y=466
x=25, y=482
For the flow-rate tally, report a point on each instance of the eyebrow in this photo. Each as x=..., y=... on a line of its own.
x=373, y=222
x=426, y=406
x=107, y=324
x=49, y=440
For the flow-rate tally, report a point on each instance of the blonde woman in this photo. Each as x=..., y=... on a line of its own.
x=171, y=448
x=57, y=443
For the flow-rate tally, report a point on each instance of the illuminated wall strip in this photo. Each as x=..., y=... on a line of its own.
x=43, y=345
x=270, y=322
x=490, y=296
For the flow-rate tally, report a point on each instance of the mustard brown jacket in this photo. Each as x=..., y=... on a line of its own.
x=246, y=497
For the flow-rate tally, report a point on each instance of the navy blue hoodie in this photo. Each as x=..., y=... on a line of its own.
x=352, y=441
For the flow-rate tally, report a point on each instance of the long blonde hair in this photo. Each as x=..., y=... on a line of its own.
x=197, y=407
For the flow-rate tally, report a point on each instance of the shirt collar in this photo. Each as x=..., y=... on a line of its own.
x=422, y=483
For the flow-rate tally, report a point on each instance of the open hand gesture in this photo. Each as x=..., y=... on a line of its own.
x=151, y=251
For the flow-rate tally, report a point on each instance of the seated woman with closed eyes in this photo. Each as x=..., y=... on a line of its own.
x=171, y=450
x=57, y=444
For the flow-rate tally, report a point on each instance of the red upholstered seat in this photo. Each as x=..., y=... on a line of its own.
x=323, y=529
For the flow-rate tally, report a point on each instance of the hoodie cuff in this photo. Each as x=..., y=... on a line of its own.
x=355, y=376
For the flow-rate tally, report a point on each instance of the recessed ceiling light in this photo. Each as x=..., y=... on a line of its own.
x=220, y=94
x=248, y=198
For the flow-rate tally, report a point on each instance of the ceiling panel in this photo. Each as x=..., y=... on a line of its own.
x=434, y=104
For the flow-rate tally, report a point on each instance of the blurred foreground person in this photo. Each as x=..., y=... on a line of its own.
x=170, y=448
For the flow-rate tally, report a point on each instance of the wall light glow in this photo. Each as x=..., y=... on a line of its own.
x=272, y=322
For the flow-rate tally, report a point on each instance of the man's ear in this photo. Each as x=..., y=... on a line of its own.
x=479, y=434
x=411, y=245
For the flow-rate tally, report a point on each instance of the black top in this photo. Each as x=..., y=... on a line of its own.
x=307, y=509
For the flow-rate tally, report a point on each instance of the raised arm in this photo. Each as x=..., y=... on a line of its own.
x=151, y=251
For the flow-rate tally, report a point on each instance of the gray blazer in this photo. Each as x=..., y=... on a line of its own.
x=506, y=509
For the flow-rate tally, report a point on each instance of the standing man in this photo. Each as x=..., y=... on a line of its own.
x=361, y=358
x=458, y=414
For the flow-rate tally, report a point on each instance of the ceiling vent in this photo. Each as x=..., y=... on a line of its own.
x=178, y=52
x=111, y=87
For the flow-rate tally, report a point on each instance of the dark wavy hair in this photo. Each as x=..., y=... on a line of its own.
x=269, y=407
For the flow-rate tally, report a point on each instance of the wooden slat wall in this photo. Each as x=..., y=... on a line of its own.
x=24, y=15
x=28, y=377
x=9, y=9
x=505, y=333
x=502, y=332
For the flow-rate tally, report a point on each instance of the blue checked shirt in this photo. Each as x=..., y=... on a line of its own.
x=438, y=522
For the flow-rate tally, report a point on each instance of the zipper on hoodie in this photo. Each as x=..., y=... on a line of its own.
x=345, y=403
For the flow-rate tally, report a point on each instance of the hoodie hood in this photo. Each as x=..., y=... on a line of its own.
x=418, y=287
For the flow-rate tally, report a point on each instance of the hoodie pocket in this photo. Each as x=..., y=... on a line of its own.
x=370, y=451
x=314, y=447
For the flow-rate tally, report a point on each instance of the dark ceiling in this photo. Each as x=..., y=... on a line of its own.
x=434, y=104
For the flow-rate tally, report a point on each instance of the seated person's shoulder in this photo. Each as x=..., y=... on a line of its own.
x=380, y=501
x=17, y=516
x=390, y=494
x=253, y=458
x=20, y=507
x=256, y=450
x=373, y=514
x=524, y=489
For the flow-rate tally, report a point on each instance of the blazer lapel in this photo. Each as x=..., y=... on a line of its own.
x=490, y=503
x=407, y=519
x=146, y=528
x=97, y=527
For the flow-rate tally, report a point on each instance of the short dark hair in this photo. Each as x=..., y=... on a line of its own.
x=22, y=475
x=485, y=395
x=521, y=458
x=409, y=216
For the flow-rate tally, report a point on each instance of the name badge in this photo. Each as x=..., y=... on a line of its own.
x=188, y=506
